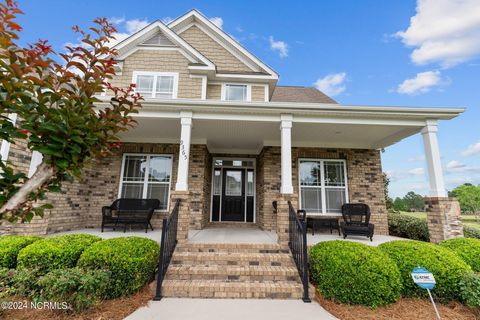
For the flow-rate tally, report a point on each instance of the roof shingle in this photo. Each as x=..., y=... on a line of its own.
x=300, y=94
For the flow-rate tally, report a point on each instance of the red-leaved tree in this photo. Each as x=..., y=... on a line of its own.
x=54, y=97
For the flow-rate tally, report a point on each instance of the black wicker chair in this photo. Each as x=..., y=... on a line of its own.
x=129, y=211
x=356, y=220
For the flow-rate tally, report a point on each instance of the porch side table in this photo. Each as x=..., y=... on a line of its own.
x=329, y=222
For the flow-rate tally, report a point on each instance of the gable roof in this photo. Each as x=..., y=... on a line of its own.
x=300, y=94
x=130, y=44
x=195, y=17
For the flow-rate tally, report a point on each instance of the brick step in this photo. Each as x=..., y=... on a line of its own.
x=232, y=247
x=232, y=273
x=223, y=289
x=232, y=259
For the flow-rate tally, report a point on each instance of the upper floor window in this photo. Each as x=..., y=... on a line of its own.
x=235, y=92
x=161, y=85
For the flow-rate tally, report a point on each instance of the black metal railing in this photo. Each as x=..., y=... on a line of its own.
x=167, y=247
x=297, y=241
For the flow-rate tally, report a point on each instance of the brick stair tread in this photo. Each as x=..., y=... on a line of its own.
x=232, y=270
x=237, y=256
x=244, y=286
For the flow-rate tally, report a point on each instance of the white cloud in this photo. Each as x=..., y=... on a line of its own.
x=417, y=158
x=135, y=25
x=279, y=46
x=456, y=166
x=422, y=83
x=332, y=84
x=416, y=172
x=472, y=150
x=116, y=20
x=218, y=21
x=443, y=31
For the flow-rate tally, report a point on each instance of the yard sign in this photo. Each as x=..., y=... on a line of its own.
x=425, y=280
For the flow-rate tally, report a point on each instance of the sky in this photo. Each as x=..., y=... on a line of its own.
x=422, y=53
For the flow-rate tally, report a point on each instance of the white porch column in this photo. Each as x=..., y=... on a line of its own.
x=184, y=155
x=286, y=164
x=432, y=155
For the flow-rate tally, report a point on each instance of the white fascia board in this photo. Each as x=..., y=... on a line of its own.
x=171, y=35
x=200, y=17
x=299, y=110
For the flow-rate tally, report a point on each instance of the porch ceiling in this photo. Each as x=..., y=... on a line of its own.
x=248, y=137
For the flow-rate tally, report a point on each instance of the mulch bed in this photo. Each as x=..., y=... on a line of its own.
x=115, y=309
x=405, y=309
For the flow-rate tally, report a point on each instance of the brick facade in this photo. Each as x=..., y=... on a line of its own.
x=364, y=176
x=79, y=205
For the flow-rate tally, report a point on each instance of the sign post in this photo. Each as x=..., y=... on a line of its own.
x=425, y=280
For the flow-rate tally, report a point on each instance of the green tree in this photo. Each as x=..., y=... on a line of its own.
x=399, y=204
x=414, y=201
x=469, y=197
x=386, y=184
x=54, y=96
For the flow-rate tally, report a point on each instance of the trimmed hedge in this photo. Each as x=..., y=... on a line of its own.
x=10, y=246
x=404, y=226
x=445, y=265
x=131, y=261
x=81, y=289
x=470, y=290
x=467, y=248
x=354, y=273
x=469, y=232
x=58, y=252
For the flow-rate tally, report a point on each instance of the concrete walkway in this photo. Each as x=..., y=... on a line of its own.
x=377, y=239
x=231, y=309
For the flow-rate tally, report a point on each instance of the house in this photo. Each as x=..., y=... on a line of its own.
x=217, y=131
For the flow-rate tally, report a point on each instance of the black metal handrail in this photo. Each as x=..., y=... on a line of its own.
x=297, y=241
x=167, y=247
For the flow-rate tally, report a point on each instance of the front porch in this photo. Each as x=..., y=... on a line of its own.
x=230, y=235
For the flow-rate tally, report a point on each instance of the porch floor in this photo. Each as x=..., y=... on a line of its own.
x=230, y=234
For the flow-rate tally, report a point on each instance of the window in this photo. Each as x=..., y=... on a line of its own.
x=146, y=177
x=235, y=92
x=156, y=85
x=323, y=185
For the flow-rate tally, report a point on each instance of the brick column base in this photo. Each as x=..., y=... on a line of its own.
x=282, y=217
x=443, y=217
x=183, y=214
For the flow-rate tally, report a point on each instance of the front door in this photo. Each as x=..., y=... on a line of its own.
x=233, y=195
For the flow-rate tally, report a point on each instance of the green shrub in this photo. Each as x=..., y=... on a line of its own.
x=56, y=252
x=354, y=273
x=81, y=289
x=446, y=267
x=469, y=232
x=6, y=281
x=404, y=226
x=10, y=246
x=470, y=290
x=467, y=248
x=25, y=282
x=131, y=261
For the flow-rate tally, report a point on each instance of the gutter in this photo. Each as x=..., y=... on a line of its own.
x=438, y=113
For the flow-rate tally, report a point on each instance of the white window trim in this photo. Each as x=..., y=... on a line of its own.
x=224, y=91
x=145, y=180
x=157, y=74
x=5, y=145
x=322, y=185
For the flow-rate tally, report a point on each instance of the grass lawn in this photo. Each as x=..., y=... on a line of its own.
x=468, y=220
